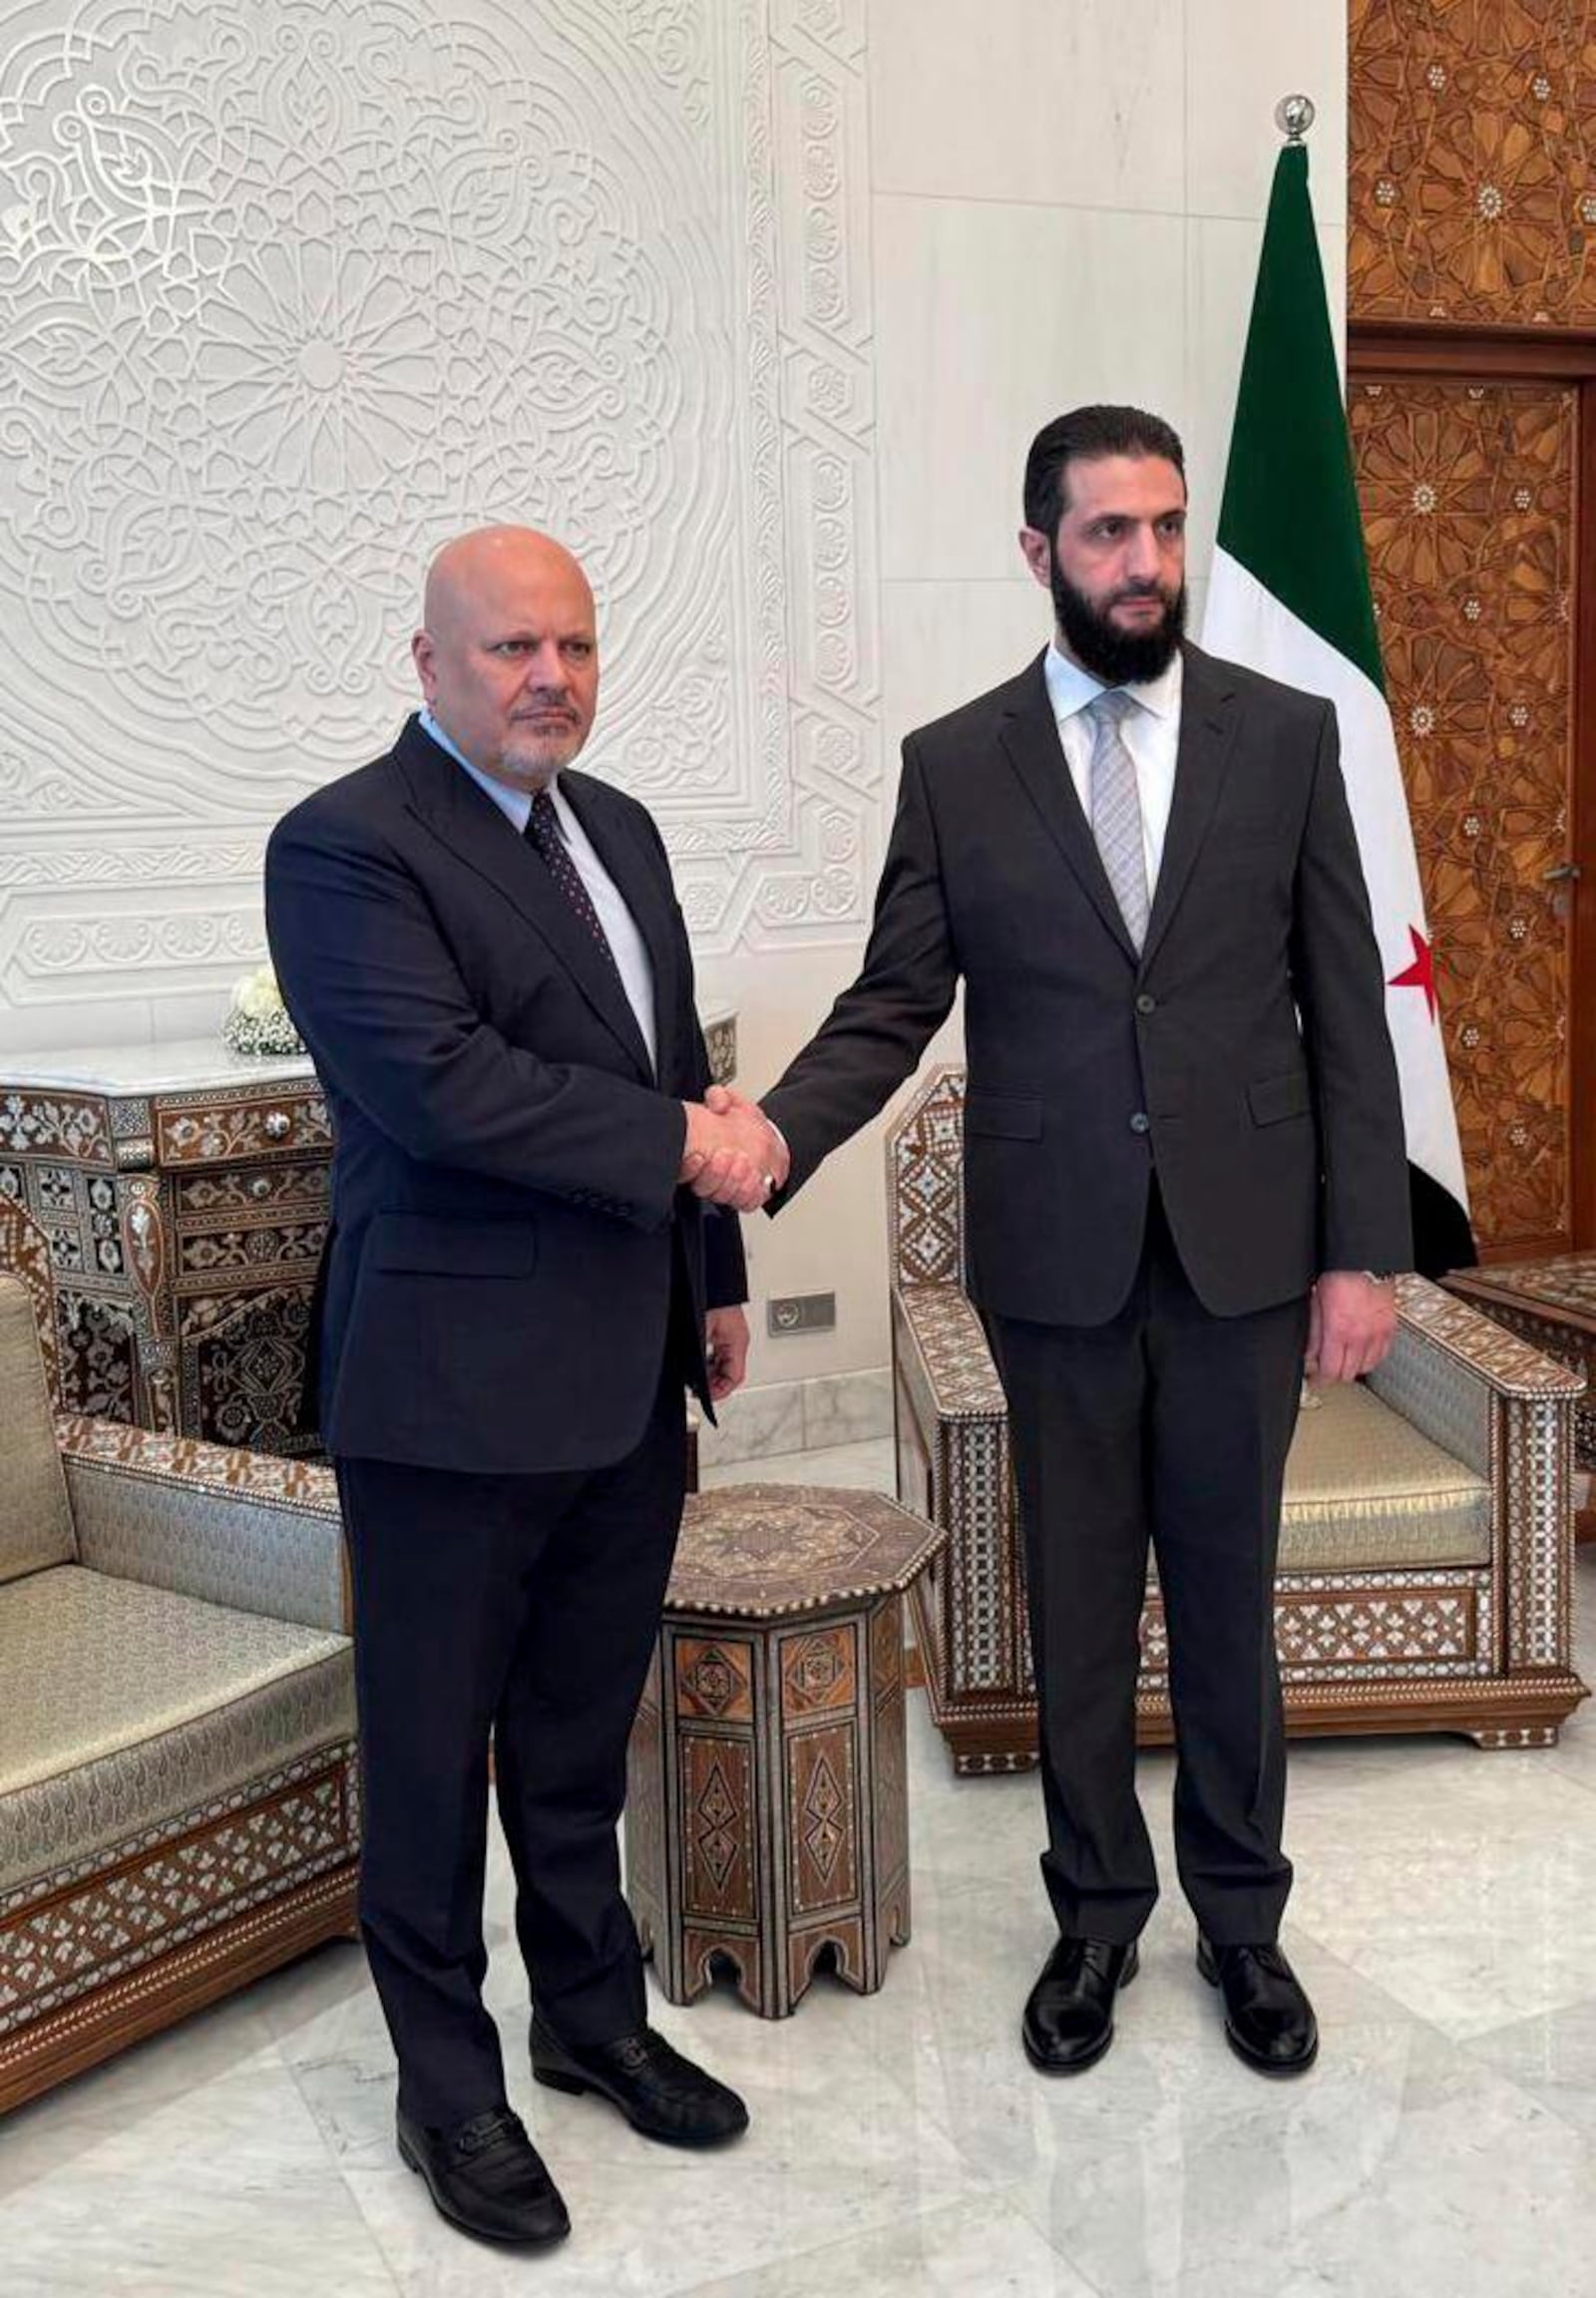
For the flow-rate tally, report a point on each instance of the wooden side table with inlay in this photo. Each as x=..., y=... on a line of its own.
x=767, y=1811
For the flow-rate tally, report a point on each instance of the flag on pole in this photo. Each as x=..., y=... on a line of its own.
x=1289, y=596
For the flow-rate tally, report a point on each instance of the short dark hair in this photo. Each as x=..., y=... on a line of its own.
x=1086, y=435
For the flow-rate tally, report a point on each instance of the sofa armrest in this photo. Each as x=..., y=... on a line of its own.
x=949, y=1383
x=232, y=1527
x=1451, y=1368
x=1454, y=1369
x=942, y=1354
x=1464, y=1333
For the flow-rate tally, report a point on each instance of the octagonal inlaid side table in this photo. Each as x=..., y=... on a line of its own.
x=767, y=1813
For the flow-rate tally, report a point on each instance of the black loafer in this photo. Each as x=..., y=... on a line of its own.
x=487, y=2178
x=661, y=2094
x=1269, y=2020
x=1069, y=2013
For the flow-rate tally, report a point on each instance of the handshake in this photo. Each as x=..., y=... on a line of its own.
x=734, y=1155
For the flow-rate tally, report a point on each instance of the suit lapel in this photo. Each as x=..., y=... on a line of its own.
x=1029, y=735
x=1208, y=717
x=468, y=822
x=636, y=875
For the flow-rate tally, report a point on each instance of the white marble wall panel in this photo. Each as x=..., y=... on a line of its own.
x=1065, y=105
x=784, y=1417
x=990, y=318
x=945, y=641
x=1242, y=56
x=847, y=1409
x=1196, y=602
x=756, y=1420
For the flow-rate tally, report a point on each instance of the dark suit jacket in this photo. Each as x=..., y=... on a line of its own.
x=1245, y=1052
x=507, y=1229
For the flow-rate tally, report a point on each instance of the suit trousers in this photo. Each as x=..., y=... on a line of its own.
x=1167, y=1424
x=525, y=1609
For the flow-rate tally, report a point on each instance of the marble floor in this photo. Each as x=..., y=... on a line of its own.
x=1444, y=1918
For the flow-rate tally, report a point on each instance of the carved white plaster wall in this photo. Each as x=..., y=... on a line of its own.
x=289, y=294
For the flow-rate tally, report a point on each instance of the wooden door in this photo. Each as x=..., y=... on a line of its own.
x=1469, y=478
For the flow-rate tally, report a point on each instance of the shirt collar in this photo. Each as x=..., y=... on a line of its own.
x=1070, y=689
x=514, y=805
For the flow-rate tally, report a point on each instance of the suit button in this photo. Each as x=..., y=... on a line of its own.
x=1146, y=1005
x=1141, y=1122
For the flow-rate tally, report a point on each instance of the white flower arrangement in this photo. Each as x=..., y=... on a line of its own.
x=258, y=1020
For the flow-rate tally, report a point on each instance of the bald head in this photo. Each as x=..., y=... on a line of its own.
x=493, y=559
x=507, y=653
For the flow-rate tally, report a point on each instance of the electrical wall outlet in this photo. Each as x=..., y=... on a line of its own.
x=802, y=1313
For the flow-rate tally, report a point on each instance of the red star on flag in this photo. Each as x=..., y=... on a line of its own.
x=1421, y=974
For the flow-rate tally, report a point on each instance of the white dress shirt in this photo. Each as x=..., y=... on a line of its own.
x=1151, y=734
x=620, y=929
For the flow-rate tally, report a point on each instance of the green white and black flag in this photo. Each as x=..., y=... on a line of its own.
x=1290, y=597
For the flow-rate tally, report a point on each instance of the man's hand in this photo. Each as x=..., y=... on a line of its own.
x=725, y=1351
x=724, y=1102
x=1351, y=1323
x=734, y=1156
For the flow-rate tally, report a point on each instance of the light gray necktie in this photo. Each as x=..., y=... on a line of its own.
x=1116, y=809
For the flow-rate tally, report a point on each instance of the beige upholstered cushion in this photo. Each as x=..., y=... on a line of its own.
x=35, y=1521
x=122, y=1705
x=1366, y=1492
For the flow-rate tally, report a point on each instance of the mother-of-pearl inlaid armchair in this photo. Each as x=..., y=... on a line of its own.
x=178, y=1784
x=1427, y=1538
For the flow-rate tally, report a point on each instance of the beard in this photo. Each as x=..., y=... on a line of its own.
x=533, y=757
x=1118, y=657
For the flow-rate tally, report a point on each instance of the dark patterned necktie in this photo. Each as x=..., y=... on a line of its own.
x=545, y=837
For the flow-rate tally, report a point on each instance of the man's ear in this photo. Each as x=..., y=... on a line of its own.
x=1036, y=552
x=422, y=653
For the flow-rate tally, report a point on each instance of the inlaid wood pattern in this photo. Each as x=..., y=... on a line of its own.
x=819, y=1672
x=1469, y=510
x=767, y=1810
x=1473, y=161
x=718, y=1816
x=823, y=1818
x=714, y=1679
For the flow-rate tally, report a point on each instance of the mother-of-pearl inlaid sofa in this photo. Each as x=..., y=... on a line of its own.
x=1426, y=1539
x=177, y=1806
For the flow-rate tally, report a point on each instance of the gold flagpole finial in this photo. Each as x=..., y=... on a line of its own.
x=1294, y=115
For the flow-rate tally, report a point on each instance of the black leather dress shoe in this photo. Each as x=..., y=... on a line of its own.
x=1269, y=2020
x=1069, y=2013
x=487, y=2178
x=661, y=2093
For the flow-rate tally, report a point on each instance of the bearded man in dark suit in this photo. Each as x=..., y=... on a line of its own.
x=533, y=1254
x=1184, y=1172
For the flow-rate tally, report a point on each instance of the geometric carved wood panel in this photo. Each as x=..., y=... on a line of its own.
x=291, y=293
x=1473, y=161
x=721, y=1877
x=1468, y=493
x=823, y=1818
